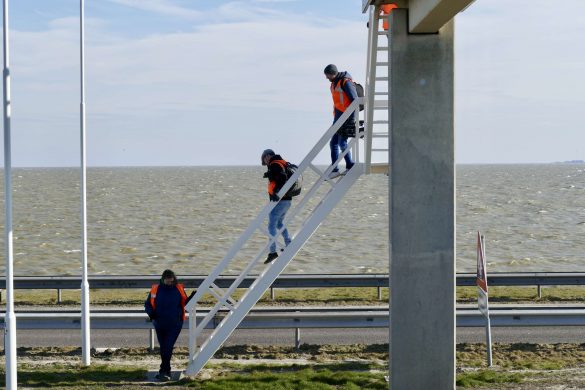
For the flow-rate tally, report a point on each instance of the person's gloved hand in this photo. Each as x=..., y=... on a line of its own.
x=192, y=294
x=274, y=198
x=265, y=176
x=152, y=317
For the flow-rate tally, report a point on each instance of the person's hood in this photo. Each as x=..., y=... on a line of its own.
x=276, y=157
x=342, y=75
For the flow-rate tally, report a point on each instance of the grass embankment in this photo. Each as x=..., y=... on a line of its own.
x=525, y=366
x=306, y=297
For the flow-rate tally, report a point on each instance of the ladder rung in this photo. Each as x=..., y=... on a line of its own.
x=380, y=104
x=228, y=302
x=316, y=170
x=380, y=122
x=382, y=63
x=382, y=48
x=382, y=78
x=222, y=293
x=379, y=150
x=381, y=93
x=383, y=32
x=380, y=135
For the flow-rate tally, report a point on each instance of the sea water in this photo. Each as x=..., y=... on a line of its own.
x=145, y=219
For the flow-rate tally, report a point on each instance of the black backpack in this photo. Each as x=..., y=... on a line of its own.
x=297, y=187
x=359, y=89
x=360, y=92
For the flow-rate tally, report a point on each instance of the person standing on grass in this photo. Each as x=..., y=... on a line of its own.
x=165, y=306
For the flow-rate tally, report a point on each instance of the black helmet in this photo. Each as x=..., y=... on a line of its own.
x=330, y=69
x=266, y=152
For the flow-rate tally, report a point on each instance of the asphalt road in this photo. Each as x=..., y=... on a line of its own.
x=140, y=338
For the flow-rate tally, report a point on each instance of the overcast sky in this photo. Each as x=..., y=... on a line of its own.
x=211, y=82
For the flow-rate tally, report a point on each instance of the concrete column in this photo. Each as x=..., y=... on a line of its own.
x=422, y=208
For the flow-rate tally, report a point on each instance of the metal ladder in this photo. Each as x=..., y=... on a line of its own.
x=308, y=213
x=377, y=118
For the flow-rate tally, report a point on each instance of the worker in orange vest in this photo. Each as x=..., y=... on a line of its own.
x=276, y=175
x=165, y=305
x=343, y=93
x=386, y=9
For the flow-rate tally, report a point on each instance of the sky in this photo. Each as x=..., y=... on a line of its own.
x=214, y=82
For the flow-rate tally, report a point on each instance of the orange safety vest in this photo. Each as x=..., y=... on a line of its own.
x=340, y=99
x=272, y=184
x=180, y=287
x=386, y=9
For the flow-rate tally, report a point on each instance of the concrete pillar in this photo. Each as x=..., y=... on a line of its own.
x=422, y=208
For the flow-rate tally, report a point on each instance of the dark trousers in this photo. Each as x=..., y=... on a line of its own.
x=167, y=337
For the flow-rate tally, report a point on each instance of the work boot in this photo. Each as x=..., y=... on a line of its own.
x=271, y=257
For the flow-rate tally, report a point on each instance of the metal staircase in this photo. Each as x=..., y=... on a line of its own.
x=307, y=213
x=377, y=117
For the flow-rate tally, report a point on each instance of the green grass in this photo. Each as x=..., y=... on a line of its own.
x=330, y=367
x=293, y=377
x=62, y=375
x=97, y=376
x=310, y=296
x=487, y=377
x=351, y=376
x=524, y=294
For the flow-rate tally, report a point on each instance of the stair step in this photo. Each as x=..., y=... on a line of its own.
x=380, y=135
x=381, y=93
x=382, y=48
x=382, y=32
x=379, y=150
x=382, y=78
x=380, y=122
x=382, y=63
x=380, y=104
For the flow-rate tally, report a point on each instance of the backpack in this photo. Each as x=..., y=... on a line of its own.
x=360, y=92
x=359, y=89
x=296, y=188
x=289, y=170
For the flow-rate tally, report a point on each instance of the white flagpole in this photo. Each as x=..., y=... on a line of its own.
x=85, y=319
x=10, y=319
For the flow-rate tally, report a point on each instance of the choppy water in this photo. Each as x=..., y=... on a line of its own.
x=142, y=220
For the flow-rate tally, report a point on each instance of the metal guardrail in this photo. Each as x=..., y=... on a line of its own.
x=312, y=317
x=292, y=280
x=378, y=281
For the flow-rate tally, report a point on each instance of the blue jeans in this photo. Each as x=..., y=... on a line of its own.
x=339, y=142
x=275, y=222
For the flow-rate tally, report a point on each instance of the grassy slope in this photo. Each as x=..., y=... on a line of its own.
x=317, y=296
x=325, y=367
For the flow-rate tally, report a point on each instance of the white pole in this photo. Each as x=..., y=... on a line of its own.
x=10, y=326
x=85, y=319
